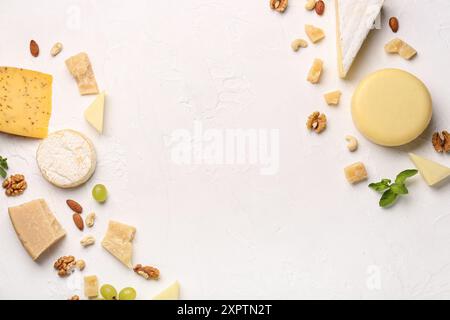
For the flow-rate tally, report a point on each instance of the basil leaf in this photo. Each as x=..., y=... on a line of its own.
x=379, y=186
x=4, y=163
x=399, y=189
x=2, y=173
x=402, y=176
x=388, y=198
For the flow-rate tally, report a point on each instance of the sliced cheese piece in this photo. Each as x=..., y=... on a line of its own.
x=315, y=72
x=119, y=242
x=354, y=20
x=333, y=98
x=81, y=69
x=91, y=287
x=66, y=159
x=25, y=102
x=94, y=113
x=36, y=227
x=171, y=293
x=314, y=34
x=391, y=107
x=356, y=173
x=433, y=172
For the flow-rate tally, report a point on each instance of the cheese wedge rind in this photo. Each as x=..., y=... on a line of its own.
x=432, y=172
x=36, y=227
x=171, y=293
x=354, y=20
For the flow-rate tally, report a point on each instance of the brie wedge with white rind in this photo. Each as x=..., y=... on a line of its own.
x=119, y=242
x=432, y=172
x=354, y=20
x=171, y=293
x=66, y=158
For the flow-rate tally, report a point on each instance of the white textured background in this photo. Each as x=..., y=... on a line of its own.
x=227, y=231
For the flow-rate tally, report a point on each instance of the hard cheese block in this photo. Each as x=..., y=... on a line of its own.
x=391, y=107
x=91, y=286
x=95, y=112
x=81, y=69
x=354, y=20
x=25, y=102
x=36, y=227
x=171, y=293
x=118, y=241
x=431, y=171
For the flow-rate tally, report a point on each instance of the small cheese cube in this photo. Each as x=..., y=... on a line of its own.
x=315, y=72
x=356, y=172
x=333, y=98
x=314, y=34
x=91, y=286
x=400, y=47
x=407, y=52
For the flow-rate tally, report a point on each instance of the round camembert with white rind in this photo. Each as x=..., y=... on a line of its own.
x=391, y=107
x=66, y=158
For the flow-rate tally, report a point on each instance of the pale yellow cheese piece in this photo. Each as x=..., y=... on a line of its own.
x=94, y=114
x=314, y=34
x=315, y=72
x=81, y=69
x=171, y=293
x=391, y=107
x=36, y=227
x=356, y=172
x=91, y=287
x=333, y=98
x=400, y=47
x=25, y=102
x=118, y=241
x=432, y=172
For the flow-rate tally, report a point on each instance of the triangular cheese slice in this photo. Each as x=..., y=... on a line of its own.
x=119, y=242
x=354, y=20
x=431, y=171
x=171, y=293
x=95, y=112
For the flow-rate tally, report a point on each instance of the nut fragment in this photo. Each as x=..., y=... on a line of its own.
x=315, y=34
x=352, y=143
x=147, y=272
x=400, y=47
x=56, y=49
x=87, y=241
x=320, y=7
x=299, y=43
x=317, y=122
x=90, y=220
x=75, y=206
x=315, y=72
x=78, y=220
x=65, y=265
x=279, y=5
x=75, y=297
x=80, y=265
x=34, y=48
x=15, y=185
x=310, y=5
x=394, y=24
x=441, y=141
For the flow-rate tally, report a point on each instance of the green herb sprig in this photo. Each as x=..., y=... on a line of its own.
x=3, y=167
x=392, y=191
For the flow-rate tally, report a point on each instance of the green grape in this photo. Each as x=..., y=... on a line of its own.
x=108, y=292
x=127, y=294
x=100, y=193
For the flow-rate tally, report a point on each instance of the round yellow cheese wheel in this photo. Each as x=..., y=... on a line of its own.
x=391, y=107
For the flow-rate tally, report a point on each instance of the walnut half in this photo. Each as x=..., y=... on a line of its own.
x=441, y=141
x=317, y=121
x=279, y=5
x=147, y=272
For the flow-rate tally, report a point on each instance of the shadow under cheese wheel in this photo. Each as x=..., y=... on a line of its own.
x=391, y=107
